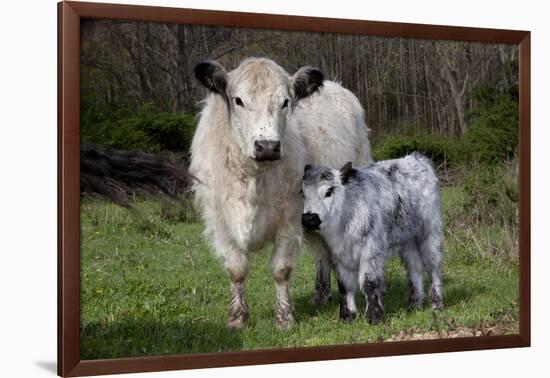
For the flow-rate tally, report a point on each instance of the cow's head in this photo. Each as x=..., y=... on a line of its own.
x=260, y=96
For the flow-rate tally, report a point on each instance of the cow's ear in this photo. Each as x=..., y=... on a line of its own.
x=346, y=172
x=213, y=76
x=305, y=82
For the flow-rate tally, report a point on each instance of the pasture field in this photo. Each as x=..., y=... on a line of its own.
x=150, y=285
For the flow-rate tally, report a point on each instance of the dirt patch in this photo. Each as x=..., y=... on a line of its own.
x=503, y=325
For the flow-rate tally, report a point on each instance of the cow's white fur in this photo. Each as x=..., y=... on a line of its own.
x=246, y=203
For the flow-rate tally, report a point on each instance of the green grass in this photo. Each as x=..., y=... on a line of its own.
x=151, y=286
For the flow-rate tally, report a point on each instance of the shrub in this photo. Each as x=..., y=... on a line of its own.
x=146, y=129
x=492, y=193
x=493, y=135
x=442, y=150
x=491, y=138
x=494, y=120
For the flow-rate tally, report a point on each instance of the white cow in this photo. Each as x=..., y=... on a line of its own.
x=258, y=129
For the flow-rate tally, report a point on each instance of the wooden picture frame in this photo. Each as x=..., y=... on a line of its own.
x=69, y=17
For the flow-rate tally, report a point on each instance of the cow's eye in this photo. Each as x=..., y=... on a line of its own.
x=301, y=192
x=329, y=192
x=239, y=102
x=285, y=104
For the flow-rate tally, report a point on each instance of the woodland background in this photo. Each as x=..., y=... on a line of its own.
x=138, y=89
x=150, y=284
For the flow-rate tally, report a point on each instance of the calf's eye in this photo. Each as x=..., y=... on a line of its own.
x=239, y=102
x=329, y=192
x=285, y=104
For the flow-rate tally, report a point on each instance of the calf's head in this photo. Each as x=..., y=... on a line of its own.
x=323, y=191
x=260, y=96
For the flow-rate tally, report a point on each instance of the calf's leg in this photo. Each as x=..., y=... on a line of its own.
x=415, y=272
x=347, y=286
x=430, y=249
x=323, y=264
x=371, y=278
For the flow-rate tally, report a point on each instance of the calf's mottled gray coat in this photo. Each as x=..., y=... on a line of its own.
x=364, y=213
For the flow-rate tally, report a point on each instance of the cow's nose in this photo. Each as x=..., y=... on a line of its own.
x=267, y=150
x=311, y=221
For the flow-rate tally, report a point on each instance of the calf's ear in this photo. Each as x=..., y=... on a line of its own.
x=306, y=169
x=213, y=76
x=305, y=82
x=346, y=172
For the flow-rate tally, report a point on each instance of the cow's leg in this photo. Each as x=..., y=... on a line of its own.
x=371, y=277
x=323, y=264
x=415, y=272
x=347, y=286
x=284, y=250
x=430, y=249
x=236, y=264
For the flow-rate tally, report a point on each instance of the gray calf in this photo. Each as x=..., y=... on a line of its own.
x=364, y=213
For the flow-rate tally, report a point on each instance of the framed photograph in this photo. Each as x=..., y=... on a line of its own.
x=239, y=188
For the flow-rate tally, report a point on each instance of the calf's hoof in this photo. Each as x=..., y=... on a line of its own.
x=375, y=314
x=319, y=299
x=237, y=322
x=436, y=300
x=415, y=303
x=347, y=316
x=437, y=305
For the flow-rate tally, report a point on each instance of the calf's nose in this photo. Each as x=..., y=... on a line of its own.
x=265, y=150
x=311, y=221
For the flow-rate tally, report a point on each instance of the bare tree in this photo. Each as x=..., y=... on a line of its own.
x=400, y=82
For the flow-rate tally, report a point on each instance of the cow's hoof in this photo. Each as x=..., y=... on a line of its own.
x=237, y=322
x=374, y=314
x=319, y=299
x=284, y=321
